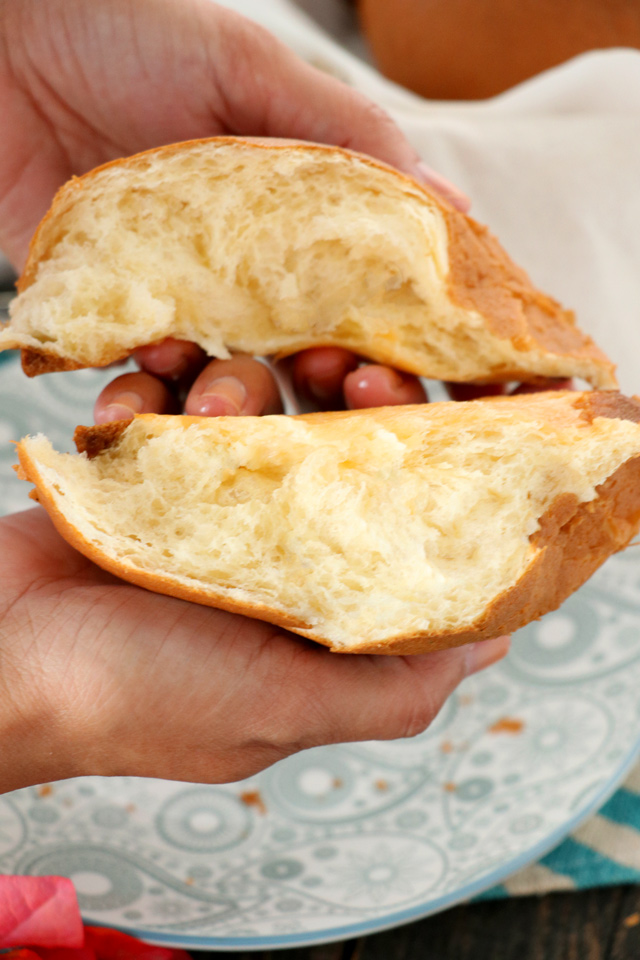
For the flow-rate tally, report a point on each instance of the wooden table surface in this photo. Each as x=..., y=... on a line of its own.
x=594, y=925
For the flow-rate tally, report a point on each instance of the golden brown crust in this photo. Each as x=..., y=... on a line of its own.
x=93, y=440
x=587, y=405
x=574, y=539
x=607, y=403
x=482, y=277
x=35, y=362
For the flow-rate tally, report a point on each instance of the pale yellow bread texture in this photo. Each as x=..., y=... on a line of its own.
x=397, y=530
x=270, y=247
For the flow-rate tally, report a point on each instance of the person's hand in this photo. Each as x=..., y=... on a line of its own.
x=100, y=677
x=82, y=83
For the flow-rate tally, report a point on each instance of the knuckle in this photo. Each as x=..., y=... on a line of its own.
x=378, y=114
x=416, y=717
x=377, y=118
x=277, y=740
x=242, y=767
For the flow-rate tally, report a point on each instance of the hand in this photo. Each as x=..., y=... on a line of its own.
x=329, y=376
x=100, y=677
x=83, y=83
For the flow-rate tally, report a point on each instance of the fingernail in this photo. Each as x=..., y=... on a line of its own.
x=458, y=199
x=363, y=378
x=124, y=407
x=482, y=654
x=224, y=397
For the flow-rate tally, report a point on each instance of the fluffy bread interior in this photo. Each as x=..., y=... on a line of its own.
x=350, y=528
x=239, y=246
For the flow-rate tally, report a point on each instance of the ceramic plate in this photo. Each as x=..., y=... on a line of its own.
x=341, y=841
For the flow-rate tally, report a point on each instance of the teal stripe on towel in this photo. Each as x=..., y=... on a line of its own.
x=495, y=893
x=586, y=867
x=623, y=807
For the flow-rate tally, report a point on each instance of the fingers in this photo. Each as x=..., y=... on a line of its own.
x=319, y=374
x=133, y=393
x=240, y=386
x=230, y=388
x=171, y=359
x=378, y=386
x=271, y=91
x=332, y=378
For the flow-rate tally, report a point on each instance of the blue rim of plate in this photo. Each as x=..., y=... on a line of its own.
x=399, y=918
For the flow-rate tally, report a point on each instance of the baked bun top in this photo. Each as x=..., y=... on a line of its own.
x=268, y=247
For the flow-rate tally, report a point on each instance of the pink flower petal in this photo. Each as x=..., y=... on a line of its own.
x=115, y=945
x=39, y=911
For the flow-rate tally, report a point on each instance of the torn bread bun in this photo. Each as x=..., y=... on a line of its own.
x=270, y=247
x=397, y=530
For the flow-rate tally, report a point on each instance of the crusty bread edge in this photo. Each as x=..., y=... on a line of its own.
x=494, y=257
x=573, y=540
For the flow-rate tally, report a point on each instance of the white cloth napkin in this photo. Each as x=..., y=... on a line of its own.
x=552, y=166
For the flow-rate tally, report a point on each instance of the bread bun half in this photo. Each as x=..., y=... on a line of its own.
x=397, y=530
x=270, y=247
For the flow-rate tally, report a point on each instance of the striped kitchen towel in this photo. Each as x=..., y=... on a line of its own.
x=604, y=851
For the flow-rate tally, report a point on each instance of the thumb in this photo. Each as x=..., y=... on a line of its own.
x=354, y=697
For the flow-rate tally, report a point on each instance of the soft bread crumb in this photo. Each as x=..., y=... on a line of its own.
x=239, y=246
x=400, y=522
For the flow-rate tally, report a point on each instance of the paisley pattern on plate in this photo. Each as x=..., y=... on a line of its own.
x=342, y=840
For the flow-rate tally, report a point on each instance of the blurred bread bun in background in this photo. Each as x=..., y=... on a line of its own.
x=472, y=49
